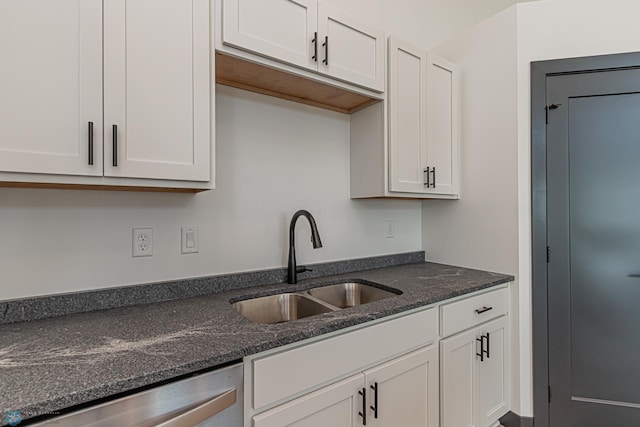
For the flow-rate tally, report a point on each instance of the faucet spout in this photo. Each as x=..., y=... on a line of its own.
x=292, y=268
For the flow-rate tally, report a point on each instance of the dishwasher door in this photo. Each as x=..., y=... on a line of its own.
x=214, y=399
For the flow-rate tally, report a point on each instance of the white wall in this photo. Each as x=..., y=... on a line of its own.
x=274, y=157
x=490, y=227
x=426, y=23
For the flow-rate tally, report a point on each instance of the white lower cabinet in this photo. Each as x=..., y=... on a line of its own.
x=335, y=405
x=392, y=373
x=401, y=392
x=475, y=375
x=407, y=391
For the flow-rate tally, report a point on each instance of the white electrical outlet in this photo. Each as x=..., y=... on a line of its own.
x=190, y=242
x=390, y=229
x=142, y=242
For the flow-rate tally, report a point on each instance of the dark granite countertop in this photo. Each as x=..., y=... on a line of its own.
x=50, y=364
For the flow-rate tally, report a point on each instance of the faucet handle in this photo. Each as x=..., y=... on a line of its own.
x=302, y=269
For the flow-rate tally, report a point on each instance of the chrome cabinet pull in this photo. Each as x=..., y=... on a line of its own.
x=90, y=142
x=203, y=412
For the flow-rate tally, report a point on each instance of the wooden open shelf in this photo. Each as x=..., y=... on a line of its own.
x=243, y=74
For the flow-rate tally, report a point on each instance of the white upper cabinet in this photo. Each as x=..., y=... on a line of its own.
x=51, y=86
x=417, y=154
x=309, y=35
x=350, y=50
x=442, y=126
x=407, y=117
x=114, y=93
x=423, y=135
x=157, y=89
x=281, y=29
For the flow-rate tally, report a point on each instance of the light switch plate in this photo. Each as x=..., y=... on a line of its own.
x=190, y=241
x=390, y=229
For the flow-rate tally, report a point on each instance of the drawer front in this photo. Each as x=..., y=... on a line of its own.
x=288, y=373
x=464, y=314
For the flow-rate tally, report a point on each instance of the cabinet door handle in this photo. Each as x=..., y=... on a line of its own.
x=115, y=146
x=325, y=61
x=483, y=310
x=315, y=46
x=481, y=341
x=488, y=353
x=426, y=172
x=90, y=142
x=374, y=387
x=433, y=172
x=363, y=414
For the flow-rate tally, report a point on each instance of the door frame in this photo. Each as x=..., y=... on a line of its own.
x=540, y=70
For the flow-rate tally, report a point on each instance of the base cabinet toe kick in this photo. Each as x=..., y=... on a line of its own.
x=444, y=365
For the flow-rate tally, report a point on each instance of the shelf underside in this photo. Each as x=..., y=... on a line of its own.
x=243, y=74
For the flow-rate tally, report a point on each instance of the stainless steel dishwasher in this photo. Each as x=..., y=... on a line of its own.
x=213, y=399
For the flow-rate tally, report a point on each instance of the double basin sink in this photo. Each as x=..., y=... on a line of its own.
x=288, y=306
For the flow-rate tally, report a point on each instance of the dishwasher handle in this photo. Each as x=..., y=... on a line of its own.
x=203, y=412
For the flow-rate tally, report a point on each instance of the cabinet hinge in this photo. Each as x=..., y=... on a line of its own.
x=549, y=394
x=548, y=254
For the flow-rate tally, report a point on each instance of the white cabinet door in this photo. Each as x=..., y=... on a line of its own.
x=336, y=405
x=459, y=379
x=404, y=391
x=494, y=397
x=157, y=88
x=350, y=50
x=442, y=126
x=476, y=389
x=279, y=29
x=50, y=86
x=407, y=117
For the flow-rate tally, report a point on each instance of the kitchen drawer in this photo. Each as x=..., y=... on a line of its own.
x=301, y=369
x=467, y=313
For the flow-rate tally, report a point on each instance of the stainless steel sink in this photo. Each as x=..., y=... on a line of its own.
x=290, y=306
x=280, y=308
x=350, y=294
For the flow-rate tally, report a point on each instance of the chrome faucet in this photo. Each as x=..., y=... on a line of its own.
x=292, y=268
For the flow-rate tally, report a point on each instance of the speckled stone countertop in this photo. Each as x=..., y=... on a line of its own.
x=51, y=364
